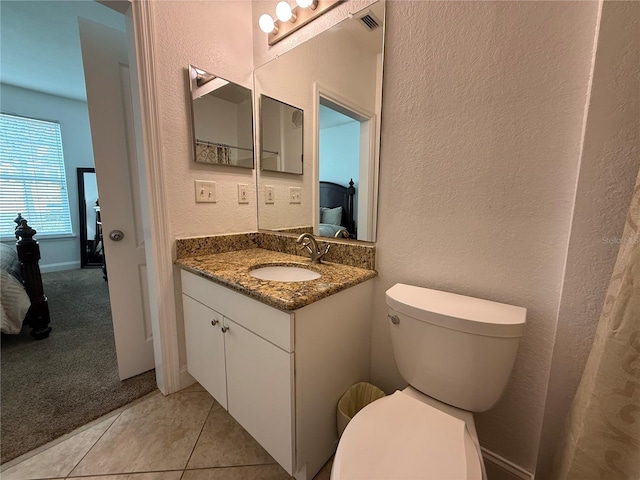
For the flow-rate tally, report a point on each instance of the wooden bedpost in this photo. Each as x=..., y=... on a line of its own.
x=29, y=256
x=351, y=191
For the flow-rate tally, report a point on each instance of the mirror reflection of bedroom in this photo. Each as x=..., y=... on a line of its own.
x=52, y=384
x=343, y=159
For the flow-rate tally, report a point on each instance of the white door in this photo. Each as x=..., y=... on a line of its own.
x=104, y=54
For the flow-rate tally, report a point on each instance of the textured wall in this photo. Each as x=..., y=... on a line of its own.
x=609, y=166
x=481, y=124
x=215, y=36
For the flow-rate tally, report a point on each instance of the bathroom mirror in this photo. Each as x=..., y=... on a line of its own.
x=281, y=139
x=335, y=78
x=222, y=120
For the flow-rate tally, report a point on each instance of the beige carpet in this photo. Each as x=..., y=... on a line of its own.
x=52, y=386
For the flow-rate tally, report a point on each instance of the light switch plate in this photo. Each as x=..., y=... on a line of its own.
x=242, y=193
x=269, y=194
x=205, y=192
x=295, y=195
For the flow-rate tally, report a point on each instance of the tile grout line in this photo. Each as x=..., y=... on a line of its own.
x=115, y=475
x=67, y=436
x=116, y=417
x=94, y=443
x=222, y=467
x=197, y=439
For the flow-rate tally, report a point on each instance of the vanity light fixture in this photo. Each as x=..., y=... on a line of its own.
x=284, y=12
x=312, y=4
x=266, y=23
x=290, y=20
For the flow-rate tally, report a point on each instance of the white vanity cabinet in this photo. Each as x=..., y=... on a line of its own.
x=205, y=355
x=244, y=360
x=279, y=374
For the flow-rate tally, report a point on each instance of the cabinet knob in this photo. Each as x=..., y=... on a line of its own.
x=224, y=329
x=214, y=322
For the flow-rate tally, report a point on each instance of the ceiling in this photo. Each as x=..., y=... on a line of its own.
x=40, y=43
x=331, y=118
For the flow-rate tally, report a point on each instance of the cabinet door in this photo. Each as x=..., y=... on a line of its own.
x=205, y=348
x=260, y=391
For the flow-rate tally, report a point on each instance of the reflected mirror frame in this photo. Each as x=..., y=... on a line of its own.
x=190, y=82
x=260, y=150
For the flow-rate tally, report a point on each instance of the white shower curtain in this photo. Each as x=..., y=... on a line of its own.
x=602, y=438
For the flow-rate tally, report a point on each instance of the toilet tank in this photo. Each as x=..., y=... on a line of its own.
x=457, y=349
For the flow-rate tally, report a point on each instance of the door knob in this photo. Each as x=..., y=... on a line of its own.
x=116, y=235
x=224, y=329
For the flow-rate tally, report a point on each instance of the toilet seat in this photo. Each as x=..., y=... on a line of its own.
x=401, y=438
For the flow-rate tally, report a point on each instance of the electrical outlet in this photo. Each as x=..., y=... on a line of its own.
x=242, y=193
x=205, y=192
x=269, y=195
x=295, y=195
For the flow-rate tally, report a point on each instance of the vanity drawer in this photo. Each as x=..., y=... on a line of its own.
x=269, y=323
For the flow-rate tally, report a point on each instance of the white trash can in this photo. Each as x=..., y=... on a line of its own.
x=355, y=399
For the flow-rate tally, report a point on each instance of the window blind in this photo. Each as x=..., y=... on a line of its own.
x=32, y=176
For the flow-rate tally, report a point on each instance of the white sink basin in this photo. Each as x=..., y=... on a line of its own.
x=284, y=273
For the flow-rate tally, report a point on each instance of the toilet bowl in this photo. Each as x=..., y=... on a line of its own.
x=456, y=353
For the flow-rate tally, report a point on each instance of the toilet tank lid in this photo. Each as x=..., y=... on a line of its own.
x=458, y=312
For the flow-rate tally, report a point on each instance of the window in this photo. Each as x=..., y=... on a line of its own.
x=32, y=177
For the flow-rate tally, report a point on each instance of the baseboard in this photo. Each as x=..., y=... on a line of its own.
x=186, y=379
x=58, y=267
x=499, y=468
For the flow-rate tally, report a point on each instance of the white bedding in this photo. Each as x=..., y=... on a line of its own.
x=14, y=301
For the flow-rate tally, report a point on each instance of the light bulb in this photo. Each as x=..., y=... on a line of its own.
x=284, y=13
x=307, y=3
x=266, y=23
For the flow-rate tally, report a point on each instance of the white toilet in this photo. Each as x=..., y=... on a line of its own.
x=456, y=353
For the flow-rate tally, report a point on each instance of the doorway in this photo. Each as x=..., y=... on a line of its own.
x=43, y=387
x=345, y=152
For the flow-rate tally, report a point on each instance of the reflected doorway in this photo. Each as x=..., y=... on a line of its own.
x=345, y=169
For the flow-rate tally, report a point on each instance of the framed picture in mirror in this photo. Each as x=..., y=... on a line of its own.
x=281, y=136
x=222, y=120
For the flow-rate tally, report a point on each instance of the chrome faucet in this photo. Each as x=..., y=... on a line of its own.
x=308, y=243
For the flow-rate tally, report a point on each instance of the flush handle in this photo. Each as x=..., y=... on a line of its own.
x=394, y=319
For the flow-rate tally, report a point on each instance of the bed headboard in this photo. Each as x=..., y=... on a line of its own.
x=335, y=195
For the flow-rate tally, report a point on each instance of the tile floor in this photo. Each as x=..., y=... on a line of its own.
x=185, y=436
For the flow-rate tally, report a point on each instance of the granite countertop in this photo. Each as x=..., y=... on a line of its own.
x=231, y=269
